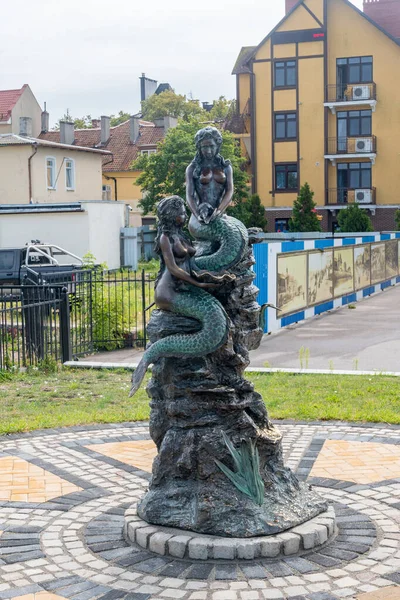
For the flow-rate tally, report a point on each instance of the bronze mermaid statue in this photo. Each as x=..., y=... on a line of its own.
x=186, y=273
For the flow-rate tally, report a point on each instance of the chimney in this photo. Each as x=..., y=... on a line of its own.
x=147, y=87
x=134, y=129
x=170, y=123
x=25, y=126
x=67, y=133
x=385, y=13
x=105, y=130
x=290, y=4
x=96, y=123
x=45, y=120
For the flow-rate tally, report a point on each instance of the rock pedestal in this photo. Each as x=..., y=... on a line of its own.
x=194, y=402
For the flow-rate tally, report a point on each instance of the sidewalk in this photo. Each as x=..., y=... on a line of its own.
x=366, y=338
x=61, y=527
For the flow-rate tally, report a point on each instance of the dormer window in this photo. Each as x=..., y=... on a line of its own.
x=148, y=152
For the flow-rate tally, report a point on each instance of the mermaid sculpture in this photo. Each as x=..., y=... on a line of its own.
x=219, y=468
x=184, y=275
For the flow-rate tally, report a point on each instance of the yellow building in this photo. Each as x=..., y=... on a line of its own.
x=318, y=102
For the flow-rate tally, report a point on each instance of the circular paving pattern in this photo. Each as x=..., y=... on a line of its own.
x=64, y=495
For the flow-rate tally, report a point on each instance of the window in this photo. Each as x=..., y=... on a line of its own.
x=281, y=225
x=69, y=174
x=353, y=123
x=354, y=70
x=285, y=126
x=51, y=173
x=106, y=192
x=285, y=73
x=354, y=176
x=6, y=259
x=148, y=152
x=286, y=177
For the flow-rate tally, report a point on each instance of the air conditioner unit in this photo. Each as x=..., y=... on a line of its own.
x=363, y=196
x=361, y=92
x=363, y=145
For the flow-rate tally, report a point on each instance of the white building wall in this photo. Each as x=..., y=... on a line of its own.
x=95, y=230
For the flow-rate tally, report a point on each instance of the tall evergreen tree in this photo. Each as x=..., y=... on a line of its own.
x=304, y=217
x=250, y=211
x=397, y=219
x=354, y=219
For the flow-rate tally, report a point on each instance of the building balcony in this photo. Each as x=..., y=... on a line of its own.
x=351, y=95
x=344, y=196
x=351, y=148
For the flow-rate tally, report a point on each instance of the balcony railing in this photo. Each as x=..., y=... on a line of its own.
x=351, y=196
x=351, y=145
x=351, y=93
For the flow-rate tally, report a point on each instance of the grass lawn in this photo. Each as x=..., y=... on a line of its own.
x=37, y=400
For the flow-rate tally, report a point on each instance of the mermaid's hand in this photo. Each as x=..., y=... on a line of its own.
x=222, y=277
x=210, y=286
x=205, y=212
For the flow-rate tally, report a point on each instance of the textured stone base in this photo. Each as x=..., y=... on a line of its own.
x=179, y=543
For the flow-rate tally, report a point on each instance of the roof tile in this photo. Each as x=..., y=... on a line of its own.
x=119, y=142
x=8, y=99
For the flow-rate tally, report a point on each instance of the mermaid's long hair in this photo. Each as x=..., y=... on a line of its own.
x=167, y=211
x=213, y=134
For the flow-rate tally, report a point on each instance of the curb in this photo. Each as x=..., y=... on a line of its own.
x=133, y=366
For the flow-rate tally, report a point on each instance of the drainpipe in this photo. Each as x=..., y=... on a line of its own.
x=30, y=172
x=113, y=178
x=115, y=186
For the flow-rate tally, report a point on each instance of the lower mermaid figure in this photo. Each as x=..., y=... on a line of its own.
x=176, y=290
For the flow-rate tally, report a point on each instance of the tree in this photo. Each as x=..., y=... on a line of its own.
x=163, y=173
x=170, y=104
x=221, y=108
x=354, y=219
x=304, y=217
x=250, y=211
x=86, y=122
x=121, y=117
x=79, y=122
x=397, y=219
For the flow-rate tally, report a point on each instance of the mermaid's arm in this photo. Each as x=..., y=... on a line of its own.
x=174, y=269
x=190, y=192
x=227, y=197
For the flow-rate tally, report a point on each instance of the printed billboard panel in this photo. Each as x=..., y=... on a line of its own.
x=362, y=266
x=292, y=283
x=378, y=267
x=343, y=271
x=320, y=273
x=392, y=259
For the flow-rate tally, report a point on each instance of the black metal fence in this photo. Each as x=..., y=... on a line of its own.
x=79, y=313
x=109, y=310
x=33, y=325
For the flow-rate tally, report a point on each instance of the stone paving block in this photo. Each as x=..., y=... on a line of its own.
x=177, y=545
x=290, y=542
x=158, y=542
x=224, y=549
x=270, y=548
x=199, y=548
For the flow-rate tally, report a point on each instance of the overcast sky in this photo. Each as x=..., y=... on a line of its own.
x=87, y=55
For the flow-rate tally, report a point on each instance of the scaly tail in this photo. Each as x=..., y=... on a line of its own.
x=196, y=303
x=138, y=376
x=232, y=237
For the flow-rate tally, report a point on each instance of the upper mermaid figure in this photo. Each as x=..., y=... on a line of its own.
x=209, y=178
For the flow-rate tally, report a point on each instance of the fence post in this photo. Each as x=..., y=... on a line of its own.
x=65, y=327
x=144, y=309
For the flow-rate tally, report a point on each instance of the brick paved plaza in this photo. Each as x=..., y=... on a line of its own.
x=63, y=495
